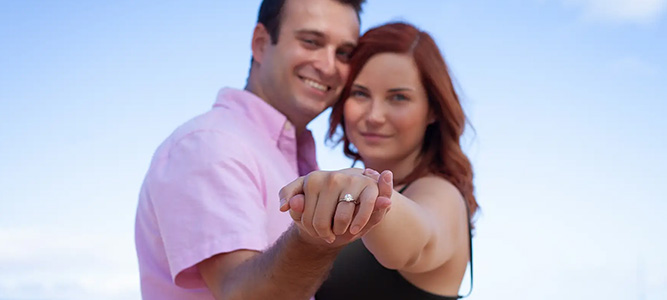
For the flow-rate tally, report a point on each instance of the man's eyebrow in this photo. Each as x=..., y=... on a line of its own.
x=349, y=45
x=310, y=31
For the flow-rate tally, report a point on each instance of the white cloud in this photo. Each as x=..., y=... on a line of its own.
x=56, y=263
x=638, y=11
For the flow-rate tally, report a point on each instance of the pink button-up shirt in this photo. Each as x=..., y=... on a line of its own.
x=212, y=188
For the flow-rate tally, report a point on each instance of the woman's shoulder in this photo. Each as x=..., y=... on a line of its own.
x=434, y=183
x=435, y=189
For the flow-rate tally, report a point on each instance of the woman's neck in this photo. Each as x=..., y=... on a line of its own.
x=401, y=167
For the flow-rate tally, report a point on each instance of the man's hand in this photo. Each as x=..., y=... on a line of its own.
x=315, y=206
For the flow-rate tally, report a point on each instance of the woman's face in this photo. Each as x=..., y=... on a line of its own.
x=387, y=112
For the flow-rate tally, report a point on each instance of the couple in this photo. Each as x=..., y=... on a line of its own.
x=212, y=221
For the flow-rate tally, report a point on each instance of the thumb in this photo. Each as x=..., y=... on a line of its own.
x=386, y=184
x=296, y=204
x=290, y=190
x=368, y=172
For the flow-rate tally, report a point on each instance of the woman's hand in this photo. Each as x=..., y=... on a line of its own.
x=316, y=204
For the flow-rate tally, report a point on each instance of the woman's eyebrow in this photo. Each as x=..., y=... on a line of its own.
x=400, y=89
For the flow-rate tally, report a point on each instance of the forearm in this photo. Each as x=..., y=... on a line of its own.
x=403, y=235
x=291, y=269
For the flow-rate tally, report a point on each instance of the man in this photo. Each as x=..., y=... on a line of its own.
x=208, y=221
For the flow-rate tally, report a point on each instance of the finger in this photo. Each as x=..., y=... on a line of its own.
x=351, y=171
x=382, y=207
x=324, y=212
x=296, y=204
x=377, y=216
x=382, y=203
x=372, y=174
x=386, y=184
x=367, y=200
x=311, y=195
x=343, y=217
x=290, y=190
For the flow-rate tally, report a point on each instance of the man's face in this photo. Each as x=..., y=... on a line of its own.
x=305, y=71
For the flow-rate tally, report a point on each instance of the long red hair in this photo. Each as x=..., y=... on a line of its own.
x=441, y=152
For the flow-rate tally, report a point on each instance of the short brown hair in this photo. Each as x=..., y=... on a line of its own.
x=270, y=14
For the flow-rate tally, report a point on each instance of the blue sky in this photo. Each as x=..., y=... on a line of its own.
x=566, y=97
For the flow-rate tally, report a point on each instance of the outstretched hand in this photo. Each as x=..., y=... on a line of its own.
x=315, y=205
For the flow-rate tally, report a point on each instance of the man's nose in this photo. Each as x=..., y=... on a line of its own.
x=326, y=62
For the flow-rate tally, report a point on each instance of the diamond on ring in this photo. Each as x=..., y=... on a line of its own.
x=347, y=198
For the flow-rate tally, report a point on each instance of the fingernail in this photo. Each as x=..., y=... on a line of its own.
x=354, y=229
x=388, y=178
x=283, y=201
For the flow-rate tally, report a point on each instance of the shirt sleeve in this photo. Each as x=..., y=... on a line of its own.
x=207, y=197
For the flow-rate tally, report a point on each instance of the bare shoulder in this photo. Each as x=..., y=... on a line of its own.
x=435, y=192
x=434, y=186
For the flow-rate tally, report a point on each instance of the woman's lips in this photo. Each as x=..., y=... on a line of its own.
x=374, y=137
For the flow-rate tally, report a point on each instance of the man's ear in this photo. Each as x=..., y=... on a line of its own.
x=260, y=40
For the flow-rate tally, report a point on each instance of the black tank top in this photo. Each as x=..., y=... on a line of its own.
x=356, y=274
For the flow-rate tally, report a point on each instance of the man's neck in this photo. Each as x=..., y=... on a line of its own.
x=253, y=87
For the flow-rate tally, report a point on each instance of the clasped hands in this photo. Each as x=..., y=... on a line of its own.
x=314, y=203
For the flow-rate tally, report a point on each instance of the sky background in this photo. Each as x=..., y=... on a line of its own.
x=567, y=99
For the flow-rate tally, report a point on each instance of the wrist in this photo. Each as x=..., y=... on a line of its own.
x=312, y=245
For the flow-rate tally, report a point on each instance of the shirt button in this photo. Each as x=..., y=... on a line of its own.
x=287, y=126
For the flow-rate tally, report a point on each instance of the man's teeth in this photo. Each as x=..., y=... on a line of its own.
x=316, y=85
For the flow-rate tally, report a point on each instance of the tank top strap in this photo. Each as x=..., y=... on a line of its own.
x=404, y=187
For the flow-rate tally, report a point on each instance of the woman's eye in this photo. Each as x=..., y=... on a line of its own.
x=399, y=97
x=358, y=94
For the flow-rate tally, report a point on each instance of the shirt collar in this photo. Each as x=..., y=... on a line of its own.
x=266, y=117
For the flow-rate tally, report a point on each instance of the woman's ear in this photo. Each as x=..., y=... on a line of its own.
x=260, y=40
x=431, y=117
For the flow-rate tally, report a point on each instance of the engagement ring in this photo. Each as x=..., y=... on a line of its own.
x=348, y=198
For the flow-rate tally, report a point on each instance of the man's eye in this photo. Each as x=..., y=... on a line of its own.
x=344, y=55
x=310, y=42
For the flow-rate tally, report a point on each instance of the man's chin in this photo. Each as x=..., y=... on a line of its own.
x=315, y=106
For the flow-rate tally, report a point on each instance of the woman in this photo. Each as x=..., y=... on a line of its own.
x=399, y=112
